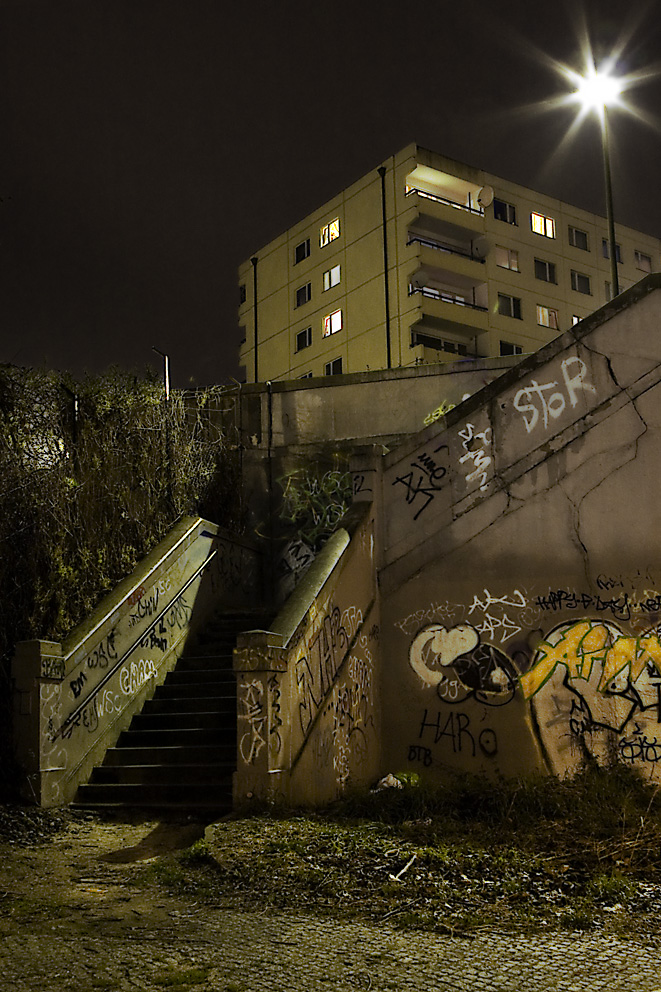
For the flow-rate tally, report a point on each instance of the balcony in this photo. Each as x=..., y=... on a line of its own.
x=444, y=260
x=443, y=210
x=447, y=309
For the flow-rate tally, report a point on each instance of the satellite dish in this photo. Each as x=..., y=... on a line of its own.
x=485, y=196
x=481, y=247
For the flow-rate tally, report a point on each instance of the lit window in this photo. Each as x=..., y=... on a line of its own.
x=332, y=323
x=509, y=306
x=643, y=261
x=242, y=294
x=580, y=282
x=546, y=317
x=606, y=252
x=506, y=348
x=504, y=211
x=304, y=339
x=507, y=258
x=331, y=277
x=542, y=225
x=578, y=238
x=301, y=251
x=303, y=294
x=545, y=270
x=329, y=232
x=575, y=319
x=334, y=367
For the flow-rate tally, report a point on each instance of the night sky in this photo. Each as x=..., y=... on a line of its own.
x=149, y=146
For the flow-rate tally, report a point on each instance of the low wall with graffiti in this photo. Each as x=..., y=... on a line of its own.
x=520, y=567
x=308, y=691
x=72, y=700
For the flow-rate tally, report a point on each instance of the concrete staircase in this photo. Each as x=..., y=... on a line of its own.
x=179, y=753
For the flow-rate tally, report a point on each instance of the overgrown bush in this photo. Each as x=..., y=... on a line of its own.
x=93, y=474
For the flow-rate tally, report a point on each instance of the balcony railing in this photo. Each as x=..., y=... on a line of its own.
x=439, y=246
x=443, y=199
x=438, y=294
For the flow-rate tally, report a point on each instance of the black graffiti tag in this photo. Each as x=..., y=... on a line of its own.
x=426, y=478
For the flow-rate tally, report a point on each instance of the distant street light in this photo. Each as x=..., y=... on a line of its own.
x=166, y=370
x=597, y=91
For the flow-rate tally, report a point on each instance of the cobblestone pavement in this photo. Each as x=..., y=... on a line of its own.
x=99, y=932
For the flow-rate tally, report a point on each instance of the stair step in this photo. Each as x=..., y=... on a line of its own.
x=173, y=737
x=179, y=752
x=185, y=677
x=139, y=794
x=180, y=720
x=214, y=692
x=219, y=774
x=191, y=704
x=182, y=754
x=205, y=661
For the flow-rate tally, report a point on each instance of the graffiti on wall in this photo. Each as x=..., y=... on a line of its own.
x=459, y=665
x=476, y=460
x=594, y=688
x=317, y=669
x=539, y=405
x=252, y=712
x=426, y=476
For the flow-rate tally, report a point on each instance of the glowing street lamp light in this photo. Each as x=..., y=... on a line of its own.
x=597, y=91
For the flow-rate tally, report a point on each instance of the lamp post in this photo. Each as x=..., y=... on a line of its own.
x=597, y=91
x=166, y=370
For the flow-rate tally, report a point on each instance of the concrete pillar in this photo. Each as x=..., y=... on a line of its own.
x=37, y=677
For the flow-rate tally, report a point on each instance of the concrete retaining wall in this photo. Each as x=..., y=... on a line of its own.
x=308, y=691
x=520, y=567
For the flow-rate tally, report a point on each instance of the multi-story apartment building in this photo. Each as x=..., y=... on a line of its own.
x=476, y=266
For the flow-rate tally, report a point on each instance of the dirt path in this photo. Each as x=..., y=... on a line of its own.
x=77, y=913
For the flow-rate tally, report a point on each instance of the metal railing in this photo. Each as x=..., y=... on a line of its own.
x=444, y=199
x=439, y=246
x=438, y=294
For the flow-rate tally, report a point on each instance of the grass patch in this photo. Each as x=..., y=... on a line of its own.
x=182, y=978
x=527, y=853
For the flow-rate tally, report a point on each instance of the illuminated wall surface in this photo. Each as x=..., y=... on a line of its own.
x=521, y=569
x=510, y=617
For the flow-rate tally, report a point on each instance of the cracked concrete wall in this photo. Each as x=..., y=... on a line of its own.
x=521, y=571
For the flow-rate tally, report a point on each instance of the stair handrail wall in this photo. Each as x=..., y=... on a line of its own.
x=307, y=689
x=73, y=699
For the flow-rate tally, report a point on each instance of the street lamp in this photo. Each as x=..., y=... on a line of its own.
x=597, y=91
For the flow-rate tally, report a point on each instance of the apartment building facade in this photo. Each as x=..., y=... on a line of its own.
x=427, y=260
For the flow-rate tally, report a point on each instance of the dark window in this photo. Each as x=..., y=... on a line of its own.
x=304, y=339
x=334, y=367
x=303, y=294
x=242, y=293
x=643, y=261
x=605, y=250
x=504, y=211
x=545, y=270
x=578, y=239
x=509, y=306
x=580, y=282
x=506, y=348
x=301, y=251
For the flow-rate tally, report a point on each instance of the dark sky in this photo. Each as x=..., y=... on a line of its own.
x=148, y=146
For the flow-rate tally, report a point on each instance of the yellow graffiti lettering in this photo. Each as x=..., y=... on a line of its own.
x=582, y=645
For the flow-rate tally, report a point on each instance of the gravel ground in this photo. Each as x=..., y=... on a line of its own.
x=75, y=914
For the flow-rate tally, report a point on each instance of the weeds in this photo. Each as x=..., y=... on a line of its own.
x=527, y=853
